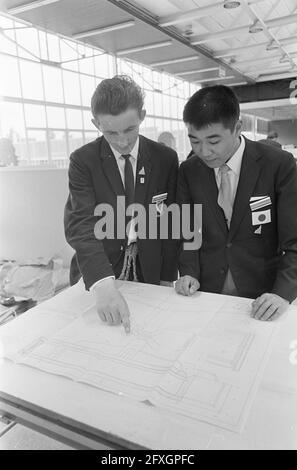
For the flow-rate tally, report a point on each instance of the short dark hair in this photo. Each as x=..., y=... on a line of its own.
x=211, y=105
x=115, y=95
x=272, y=135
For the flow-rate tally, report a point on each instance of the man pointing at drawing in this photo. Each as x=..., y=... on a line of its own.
x=120, y=164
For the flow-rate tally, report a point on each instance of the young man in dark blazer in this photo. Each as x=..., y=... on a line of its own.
x=248, y=193
x=119, y=169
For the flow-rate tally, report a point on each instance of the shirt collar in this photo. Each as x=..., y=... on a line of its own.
x=133, y=153
x=234, y=163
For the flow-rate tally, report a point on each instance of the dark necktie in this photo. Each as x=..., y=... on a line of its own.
x=128, y=180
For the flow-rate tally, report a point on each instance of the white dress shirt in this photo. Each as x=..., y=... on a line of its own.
x=234, y=163
x=121, y=161
x=121, y=165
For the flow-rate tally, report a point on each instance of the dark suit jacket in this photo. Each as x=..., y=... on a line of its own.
x=259, y=262
x=94, y=178
x=270, y=142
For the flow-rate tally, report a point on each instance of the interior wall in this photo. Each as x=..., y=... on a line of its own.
x=287, y=131
x=32, y=204
x=271, y=90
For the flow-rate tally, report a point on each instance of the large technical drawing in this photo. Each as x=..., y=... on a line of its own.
x=202, y=356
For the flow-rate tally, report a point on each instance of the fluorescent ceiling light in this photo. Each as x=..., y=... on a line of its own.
x=279, y=76
x=144, y=48
x=237, y=83
x=283, y=59
x=213, y=79
x=231, y=4
x=256, y=27
x=30, y=6
x=211, y=69
x=174, y=61
x=258, y=72
x=105, y=29
x=272, y=46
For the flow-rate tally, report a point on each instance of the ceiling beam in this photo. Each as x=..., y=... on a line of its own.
x=103, y=30
x=149, y=18
x=30, y=6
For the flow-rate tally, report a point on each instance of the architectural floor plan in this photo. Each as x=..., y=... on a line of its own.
x=201, y=356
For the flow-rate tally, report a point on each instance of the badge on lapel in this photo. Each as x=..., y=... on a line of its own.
x=258, y=230
x=159, y=199
x=142, y=174
x=260, y=217
x=259, y=202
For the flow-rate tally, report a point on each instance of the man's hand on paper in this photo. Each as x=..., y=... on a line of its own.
x=268, y=307
x=111, y=305
x=187, y=285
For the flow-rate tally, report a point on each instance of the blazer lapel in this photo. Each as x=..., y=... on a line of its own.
x=143, y=171
x=210, y=192
x=111, y=169
x=249, y=174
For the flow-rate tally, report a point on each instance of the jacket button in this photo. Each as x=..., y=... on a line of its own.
x=229, y=245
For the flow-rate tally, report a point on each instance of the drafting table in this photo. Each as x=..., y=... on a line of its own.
x=20, y=437
x=86, y=416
